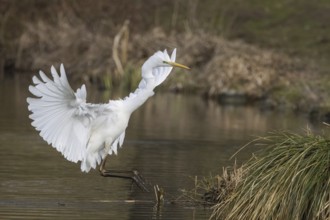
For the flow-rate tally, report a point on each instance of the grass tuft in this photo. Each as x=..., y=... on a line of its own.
x=290, y=179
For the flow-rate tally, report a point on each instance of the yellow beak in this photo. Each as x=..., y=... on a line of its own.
x=176, y=65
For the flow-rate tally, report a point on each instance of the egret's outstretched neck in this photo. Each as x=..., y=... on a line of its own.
x=147, y=69
x=138, y=97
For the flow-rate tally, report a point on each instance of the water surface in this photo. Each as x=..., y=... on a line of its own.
x=169, y=140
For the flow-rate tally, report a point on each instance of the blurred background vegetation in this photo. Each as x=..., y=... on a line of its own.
x=272, y=51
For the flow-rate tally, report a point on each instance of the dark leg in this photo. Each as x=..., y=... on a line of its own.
x=124, y=174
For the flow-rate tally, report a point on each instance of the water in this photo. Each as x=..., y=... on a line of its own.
x=169, y=140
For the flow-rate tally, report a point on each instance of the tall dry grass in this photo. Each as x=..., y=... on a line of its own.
x=288, y=180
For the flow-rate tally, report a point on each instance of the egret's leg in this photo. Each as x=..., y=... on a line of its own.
x=124, y=174
x=102, y=165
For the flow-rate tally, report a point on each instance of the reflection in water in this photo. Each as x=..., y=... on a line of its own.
x=169, y=139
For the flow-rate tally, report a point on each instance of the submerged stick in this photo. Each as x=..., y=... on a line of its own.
x=159, y=194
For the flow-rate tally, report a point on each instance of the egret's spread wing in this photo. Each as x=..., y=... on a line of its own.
x=61, y=115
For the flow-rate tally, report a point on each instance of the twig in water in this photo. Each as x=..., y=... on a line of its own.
x=159, y=193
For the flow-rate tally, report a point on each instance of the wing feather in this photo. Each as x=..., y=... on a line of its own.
x=36, y=80
x=61, y=115
x=117, y=143
x=44, y=77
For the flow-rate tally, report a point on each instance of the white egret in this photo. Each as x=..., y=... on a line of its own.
x=88, y=132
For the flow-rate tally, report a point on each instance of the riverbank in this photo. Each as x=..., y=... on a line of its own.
x=110, y=55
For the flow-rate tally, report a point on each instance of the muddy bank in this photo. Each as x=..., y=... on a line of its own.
x=229, y=71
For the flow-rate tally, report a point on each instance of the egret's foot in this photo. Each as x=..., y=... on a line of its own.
x=139, y=180
x=133, y=175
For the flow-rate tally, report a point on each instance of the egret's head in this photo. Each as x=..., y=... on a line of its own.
x=159, y=66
